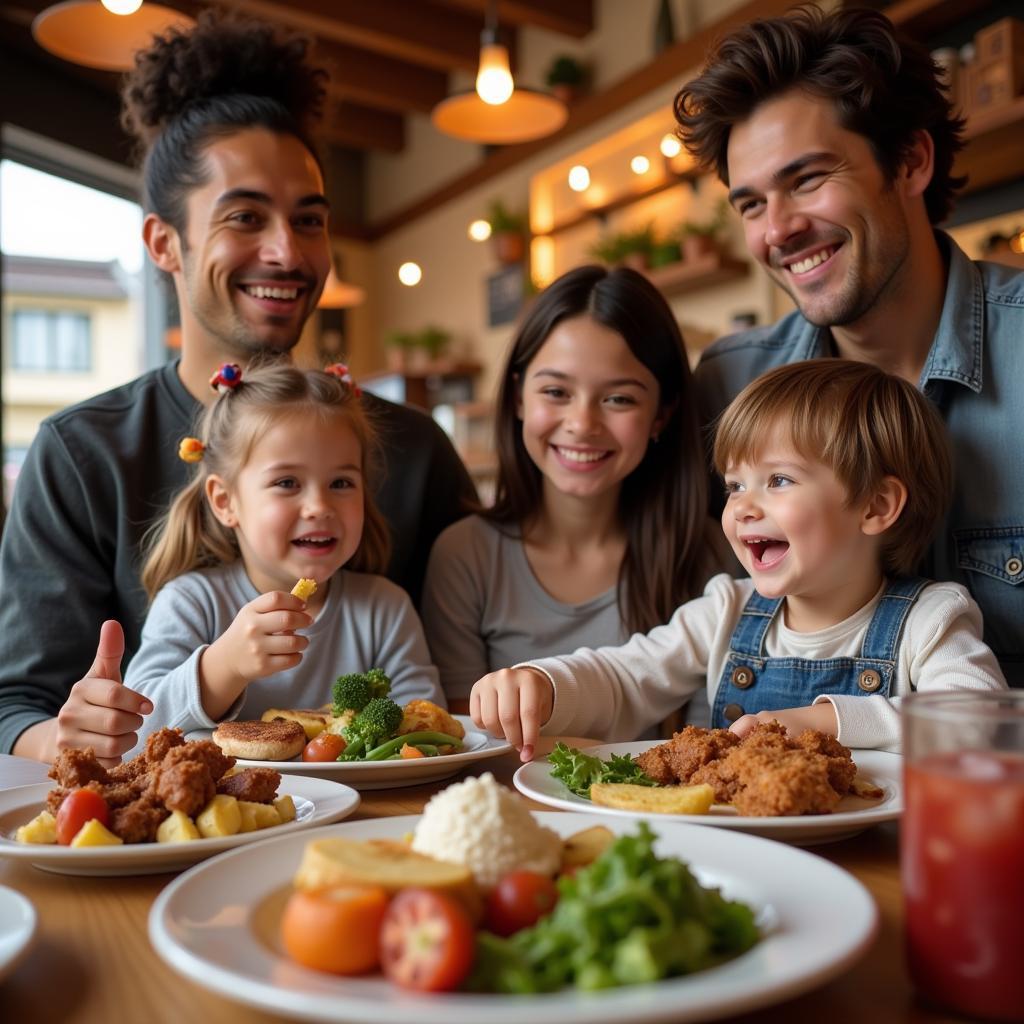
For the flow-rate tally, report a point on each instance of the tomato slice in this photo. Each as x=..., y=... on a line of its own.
x=78, y=807
x=427, y=942
x=325, y=747
x=519, y=900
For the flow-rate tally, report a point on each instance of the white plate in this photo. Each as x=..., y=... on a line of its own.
x=17, y=926
x=317, y=802
x=217, y=925
x=853, y=814
x=389, y=774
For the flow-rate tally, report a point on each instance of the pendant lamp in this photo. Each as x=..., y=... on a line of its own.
x=498, y=112
x=338, y=294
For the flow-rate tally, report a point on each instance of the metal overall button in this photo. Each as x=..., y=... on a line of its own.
x=732, y=712
x=1013, y=566
x=742, y=676
x=869, y=680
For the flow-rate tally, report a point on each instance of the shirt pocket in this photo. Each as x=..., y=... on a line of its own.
x=996, y=552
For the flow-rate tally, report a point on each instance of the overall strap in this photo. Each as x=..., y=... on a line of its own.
x=882, y=639
x=748, y=636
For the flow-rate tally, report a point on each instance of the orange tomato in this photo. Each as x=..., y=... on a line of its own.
x=408, y=752
x=325, y=747
x=335, y=930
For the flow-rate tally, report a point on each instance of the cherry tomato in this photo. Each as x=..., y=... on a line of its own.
x=78, y=807
x=335, y=930
x=325, y=747
x=408, y=753
x=519, y=900
x=427, y=942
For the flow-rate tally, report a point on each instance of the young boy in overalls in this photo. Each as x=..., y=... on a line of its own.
x=837, y=476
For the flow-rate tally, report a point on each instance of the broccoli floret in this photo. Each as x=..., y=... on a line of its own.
x=357, y=689
x=378, y=721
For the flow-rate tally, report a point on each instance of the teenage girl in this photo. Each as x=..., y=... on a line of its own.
x=282, y=492
x=600, y=525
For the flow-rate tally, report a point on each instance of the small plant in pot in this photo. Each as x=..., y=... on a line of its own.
x=628, y=248
x=508, y=232
x=699, y=238
x=400, y=345
x=433, y=340
x=566, y=78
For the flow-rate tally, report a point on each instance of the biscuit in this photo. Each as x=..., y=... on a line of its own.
x=260, y=741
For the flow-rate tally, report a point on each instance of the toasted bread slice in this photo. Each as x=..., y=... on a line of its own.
x=312, y=721
x=583, y=848
x=654, y=799
x=388, y=863
x=260, y=741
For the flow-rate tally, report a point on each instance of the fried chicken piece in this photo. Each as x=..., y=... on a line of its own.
x=426, y=716
x=160, y=743
x=129, y=771
x=841, y=769
x=256, y=784
x=720, y=777
x=73, y=769
x=205, y=752
x=184, y=784
x=781, y=782
x=138, y=821
x=768, y=736
x=692, y=748
x=653, y=763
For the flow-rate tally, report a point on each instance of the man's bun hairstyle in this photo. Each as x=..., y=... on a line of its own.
x=225, y=75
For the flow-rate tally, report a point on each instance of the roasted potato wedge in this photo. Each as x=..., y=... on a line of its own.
x=654, y=799
x=583, y=848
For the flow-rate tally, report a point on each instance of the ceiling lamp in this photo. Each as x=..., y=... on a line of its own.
x=338, y=294
x=103, y=35
x=498, y=112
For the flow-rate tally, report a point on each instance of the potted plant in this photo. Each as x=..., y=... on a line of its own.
x=508, y=231
x=665, y=251
x=400, y=345
x=566, y=78
x=433, y=340
x=630, y=248
x=699, y=238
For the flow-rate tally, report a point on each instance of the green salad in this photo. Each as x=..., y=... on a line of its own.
x=579, y=771
x=630, y=917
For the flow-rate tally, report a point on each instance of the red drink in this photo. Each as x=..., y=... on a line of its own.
x=963, y=879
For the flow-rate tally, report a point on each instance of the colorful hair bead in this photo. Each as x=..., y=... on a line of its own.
x=341, y=371
x=191, y=449
x=227, y=378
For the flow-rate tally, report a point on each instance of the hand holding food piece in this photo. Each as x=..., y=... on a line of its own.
x=100, y=712
x=513, y=703
x=304, y=589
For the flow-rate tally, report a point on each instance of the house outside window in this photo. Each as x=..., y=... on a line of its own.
x=53, y=341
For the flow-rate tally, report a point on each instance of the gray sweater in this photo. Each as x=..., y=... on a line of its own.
x=366, y=622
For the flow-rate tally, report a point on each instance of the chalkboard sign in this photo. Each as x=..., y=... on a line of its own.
x=505, y=295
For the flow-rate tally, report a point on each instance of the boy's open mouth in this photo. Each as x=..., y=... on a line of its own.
x=767, y=551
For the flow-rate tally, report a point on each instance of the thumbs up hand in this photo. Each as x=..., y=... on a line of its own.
x=100, y=712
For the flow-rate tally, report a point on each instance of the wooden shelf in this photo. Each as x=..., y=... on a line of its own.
x=692, y=275
x=923, y=18
x=994, y=153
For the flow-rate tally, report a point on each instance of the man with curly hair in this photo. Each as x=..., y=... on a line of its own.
x=236, y=215
x=836, y=141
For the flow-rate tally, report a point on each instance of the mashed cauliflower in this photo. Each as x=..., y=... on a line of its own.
x=486, y=827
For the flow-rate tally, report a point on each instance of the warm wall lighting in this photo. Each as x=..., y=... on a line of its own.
x=1017, y=244
x=639, y=165
x=670, y=146
x=480, y=230
x=122, y=6
x=579, y=178
x=410, y=274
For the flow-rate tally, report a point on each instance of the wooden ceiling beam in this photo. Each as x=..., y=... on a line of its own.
x=409, y=30
x=568, y=17
x=359, y=127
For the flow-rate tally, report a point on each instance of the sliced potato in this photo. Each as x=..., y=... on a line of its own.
x=285, y=807
x=94, y=833
x=220, y=817
x=256, y=816
x=583, y=848
x=42, y=829
x=178, y=828
x=654, y=799
x=312, y=721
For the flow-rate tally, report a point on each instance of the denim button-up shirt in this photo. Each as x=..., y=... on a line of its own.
x=974, y=374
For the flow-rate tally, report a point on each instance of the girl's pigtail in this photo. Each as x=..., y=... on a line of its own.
x=174, y=540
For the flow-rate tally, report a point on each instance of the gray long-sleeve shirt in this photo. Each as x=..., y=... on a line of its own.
x=366, y=622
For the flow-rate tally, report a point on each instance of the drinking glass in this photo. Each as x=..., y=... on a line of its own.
x=962, y=850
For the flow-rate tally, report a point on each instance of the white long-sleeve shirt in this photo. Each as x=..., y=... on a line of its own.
x=617, y=692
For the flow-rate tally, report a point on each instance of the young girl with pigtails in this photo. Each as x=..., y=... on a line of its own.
x=281, y=492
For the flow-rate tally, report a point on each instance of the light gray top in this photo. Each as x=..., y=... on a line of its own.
x=483, y=608
x=366, y=622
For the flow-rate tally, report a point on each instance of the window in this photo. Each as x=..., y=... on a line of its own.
x=51, y=341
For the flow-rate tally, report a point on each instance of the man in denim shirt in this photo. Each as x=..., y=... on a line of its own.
x=837, y=143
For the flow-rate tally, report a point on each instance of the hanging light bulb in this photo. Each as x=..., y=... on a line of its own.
x=122, y=6
x=494, y=83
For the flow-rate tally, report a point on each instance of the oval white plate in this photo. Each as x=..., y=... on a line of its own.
x=17, y=927
x=853, y=815
x=389, y=774
x=317, y=802
x=217, y=925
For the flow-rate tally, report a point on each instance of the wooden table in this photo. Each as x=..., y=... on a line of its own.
x=92, y=961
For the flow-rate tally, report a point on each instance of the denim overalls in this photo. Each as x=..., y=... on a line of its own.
x=752, y=682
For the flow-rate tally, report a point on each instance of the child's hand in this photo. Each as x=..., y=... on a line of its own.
x=100, y=712
x=817, y=716
x=513, y=703
x=260, y=642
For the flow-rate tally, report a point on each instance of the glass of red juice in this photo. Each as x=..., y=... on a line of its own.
x=962, y=850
